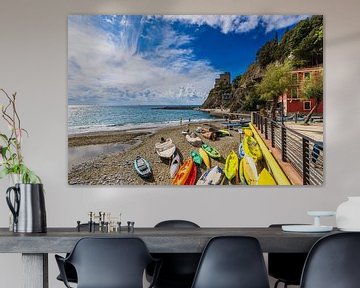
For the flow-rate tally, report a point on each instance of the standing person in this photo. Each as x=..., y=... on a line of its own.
x=180, y=121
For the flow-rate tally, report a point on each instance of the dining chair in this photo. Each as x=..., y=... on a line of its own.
x=285, y=267
x=108, y=263
x=333, y=262
x=178, y=269
x=70, y=271
x=232, y=262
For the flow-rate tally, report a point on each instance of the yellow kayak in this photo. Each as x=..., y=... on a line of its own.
x=252, y=148
x=265, y=178
x=250, y=171
x=205, y=158
x=231, y=165
x=248, y=132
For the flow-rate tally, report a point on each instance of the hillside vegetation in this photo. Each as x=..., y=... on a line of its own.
x=302, y=45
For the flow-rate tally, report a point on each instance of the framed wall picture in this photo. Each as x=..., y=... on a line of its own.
x=195, y=100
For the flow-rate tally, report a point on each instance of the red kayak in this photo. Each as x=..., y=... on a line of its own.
x=192, y=176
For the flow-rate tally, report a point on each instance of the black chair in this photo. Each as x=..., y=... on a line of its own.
x=108, y=262
x=178, y=269
x=232, y=262
x=69, y=269
x=333, y=262
x=286, y=267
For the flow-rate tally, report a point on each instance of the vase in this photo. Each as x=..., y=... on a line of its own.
x=348, y=214
x=27, y=204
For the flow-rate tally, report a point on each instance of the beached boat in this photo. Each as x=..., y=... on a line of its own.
x=248, y=132
x=187, y=132
x=175, y=165
x=194, y=140
x=205, y=157
x=196, y=158
x=165, y=149
x=183, y=172
x=252, y=148
x=142, y=167
x=200, y=130
x=223, y=133
x=265, y=178
x=209, y=135
x=241, y=151
x=191, y=179
x=231, y=166
x=211, y=151
x=219, y=132
x=211, y=176
x=250, y=171
x=241, y=172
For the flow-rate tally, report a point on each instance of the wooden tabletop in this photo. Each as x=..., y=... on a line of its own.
x=158, y=240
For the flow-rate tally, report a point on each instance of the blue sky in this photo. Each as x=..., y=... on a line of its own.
x=168, y=59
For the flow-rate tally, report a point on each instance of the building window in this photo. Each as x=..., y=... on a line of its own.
x=307, y=76
x=294, y=92
x=307, y=105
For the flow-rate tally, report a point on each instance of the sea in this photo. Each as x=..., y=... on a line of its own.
x=93, y=118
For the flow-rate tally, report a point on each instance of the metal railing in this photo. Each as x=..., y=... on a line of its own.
x=305, y=154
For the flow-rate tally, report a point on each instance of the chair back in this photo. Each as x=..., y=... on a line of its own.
x=286, y=267
x=232, y=262
x=333, y=262
x=110, y=262
x=176, y=224
x=178, y=269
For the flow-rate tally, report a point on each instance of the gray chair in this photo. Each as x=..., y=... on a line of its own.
x=178, y=269
x=232, y=262
x=286, y=267
x=108, y=263
x=333, y=262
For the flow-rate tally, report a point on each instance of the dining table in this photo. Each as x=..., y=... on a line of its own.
x=35, y=247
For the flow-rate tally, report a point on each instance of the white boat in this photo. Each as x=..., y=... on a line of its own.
x=175, y=165
x=212, y=176
x=193, y=139
x=165, y=149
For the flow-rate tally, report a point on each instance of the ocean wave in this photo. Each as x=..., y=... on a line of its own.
x=134, y=126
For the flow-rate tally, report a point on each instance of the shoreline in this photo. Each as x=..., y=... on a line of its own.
x=139, y=127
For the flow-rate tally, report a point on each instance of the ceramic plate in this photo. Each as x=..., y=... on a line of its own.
x=321, y=213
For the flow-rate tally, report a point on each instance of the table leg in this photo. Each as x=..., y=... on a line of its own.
x=35, y=270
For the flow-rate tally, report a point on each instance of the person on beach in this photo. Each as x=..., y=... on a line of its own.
x=180, y=121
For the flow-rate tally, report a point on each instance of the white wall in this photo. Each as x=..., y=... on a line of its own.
x=33, y=62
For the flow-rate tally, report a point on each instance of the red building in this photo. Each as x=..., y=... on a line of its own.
x=293, y=100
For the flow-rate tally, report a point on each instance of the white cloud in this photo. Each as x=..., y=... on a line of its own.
x=106, y=68
x=237, y=23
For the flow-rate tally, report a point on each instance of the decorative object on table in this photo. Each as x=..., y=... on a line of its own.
x=316, y=227
x=28, y=208
x=27, y=204
x=156, y=79
x=348, y=214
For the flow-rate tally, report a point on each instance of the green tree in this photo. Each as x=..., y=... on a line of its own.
x=276, y=80
x=313, y=89
x=267, y=53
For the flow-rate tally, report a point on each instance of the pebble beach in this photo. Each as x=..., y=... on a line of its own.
x=116, y=167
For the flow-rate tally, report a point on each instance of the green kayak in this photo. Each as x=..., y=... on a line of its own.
x=196, y=157
x=211, y=151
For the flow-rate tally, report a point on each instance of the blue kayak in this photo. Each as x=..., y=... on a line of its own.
x=142, y=167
